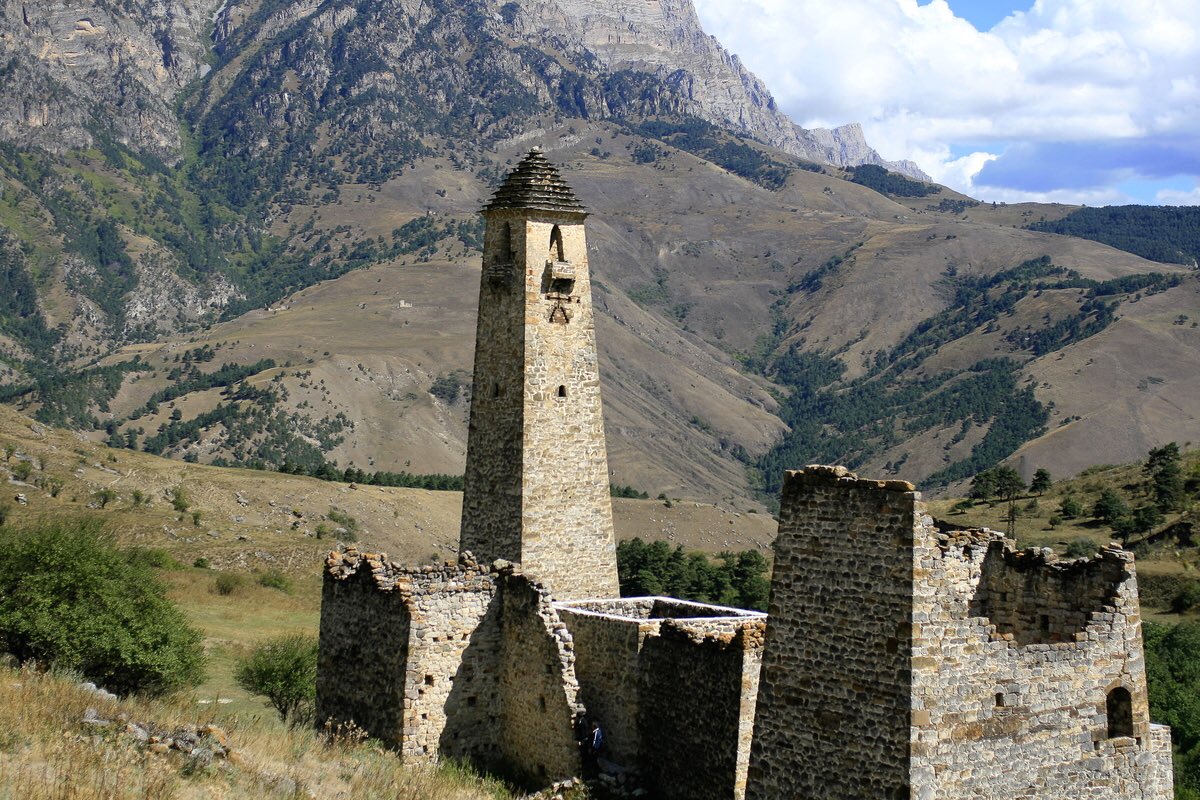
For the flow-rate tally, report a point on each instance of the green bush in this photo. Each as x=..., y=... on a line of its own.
x=284, y=670
x=69, y=597
x=1081, y=547
x=1187, y=598
x=201, y=563
x=1070, y=508
x=179, y=500
x=274, y=579
x=229, y=582
x=153, y=558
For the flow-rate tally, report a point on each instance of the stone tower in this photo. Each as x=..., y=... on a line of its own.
x=904, y=662
x=536, y=486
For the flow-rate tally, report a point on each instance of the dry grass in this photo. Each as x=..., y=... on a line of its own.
x=47, y=752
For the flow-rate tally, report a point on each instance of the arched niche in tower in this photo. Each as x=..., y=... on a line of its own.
x=557, y=253
x=1119, y=708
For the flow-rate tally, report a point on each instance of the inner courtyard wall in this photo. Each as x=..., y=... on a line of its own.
x=674, y=692
x=698, y=685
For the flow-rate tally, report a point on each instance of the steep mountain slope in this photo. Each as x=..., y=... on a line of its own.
x=76, y=73
x=664, y=38
x=862, y=313
x=299, y=291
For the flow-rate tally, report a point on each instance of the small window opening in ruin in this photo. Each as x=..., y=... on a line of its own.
x=542, y=770
x=999, y=699
x=549, y=669
x=542, y=704
x=1046, y=622
x=562, y=391
x=429, y=680
x=1120, y=713
x=556, y=245
x=495, y=390
x=471, y=701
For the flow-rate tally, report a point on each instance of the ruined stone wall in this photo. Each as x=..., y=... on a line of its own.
x=697, y=687
x=452, y=692
x=607, y=660
x=833, y=709
x=411, y=656
x=538, y=686
x=361, y=664
x=568, y=540
x=673, y=683
x=491, y=514
x=1047, y=700
x=1014, y=656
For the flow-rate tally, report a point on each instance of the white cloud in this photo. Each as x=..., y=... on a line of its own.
x=1176, y=197
x=925, y=83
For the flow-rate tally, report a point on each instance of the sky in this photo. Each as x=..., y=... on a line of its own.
x=1073, y=101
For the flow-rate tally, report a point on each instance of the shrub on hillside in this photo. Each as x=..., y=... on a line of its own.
x=69, y=597
x=284, y=670
x=229, y=582
x=274, y=579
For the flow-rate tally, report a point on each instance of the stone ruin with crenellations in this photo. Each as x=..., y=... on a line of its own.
x=898, y=660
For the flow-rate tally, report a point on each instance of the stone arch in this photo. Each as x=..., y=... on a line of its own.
x=1119, y=708
x=557, y=253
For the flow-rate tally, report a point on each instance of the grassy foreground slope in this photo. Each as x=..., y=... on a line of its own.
x=49, y=752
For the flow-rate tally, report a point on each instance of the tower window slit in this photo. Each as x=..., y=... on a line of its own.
x=562, y=391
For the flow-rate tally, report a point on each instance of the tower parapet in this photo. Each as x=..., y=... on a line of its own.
x=536, y=486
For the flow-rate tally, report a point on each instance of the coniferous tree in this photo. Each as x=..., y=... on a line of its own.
x=1165, y=470
x=1110, y=507
x=1041, y=482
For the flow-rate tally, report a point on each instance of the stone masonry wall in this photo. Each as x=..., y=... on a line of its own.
x=674, y=692
x=491, y=513
x=833, y=707
x=697, y=685
x=411, y=656
x=536, y=484
x=608, y=657
x=1015, y=706
x=538, y=686
x=1047, y=700
x=361, y=663
x=567, y=513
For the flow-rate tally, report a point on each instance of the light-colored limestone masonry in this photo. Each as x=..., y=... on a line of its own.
x=899, y=660
x=536, y=487
x=907, y=662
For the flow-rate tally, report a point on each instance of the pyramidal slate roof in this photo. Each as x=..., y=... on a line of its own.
x=536, y=184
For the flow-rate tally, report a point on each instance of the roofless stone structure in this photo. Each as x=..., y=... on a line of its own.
x=899, y=661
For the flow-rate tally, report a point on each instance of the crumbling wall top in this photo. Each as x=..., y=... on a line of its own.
x=388, y=575
x=820, y=474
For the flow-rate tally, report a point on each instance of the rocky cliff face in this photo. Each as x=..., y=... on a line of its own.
x=665, y=38
x=73, y=69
